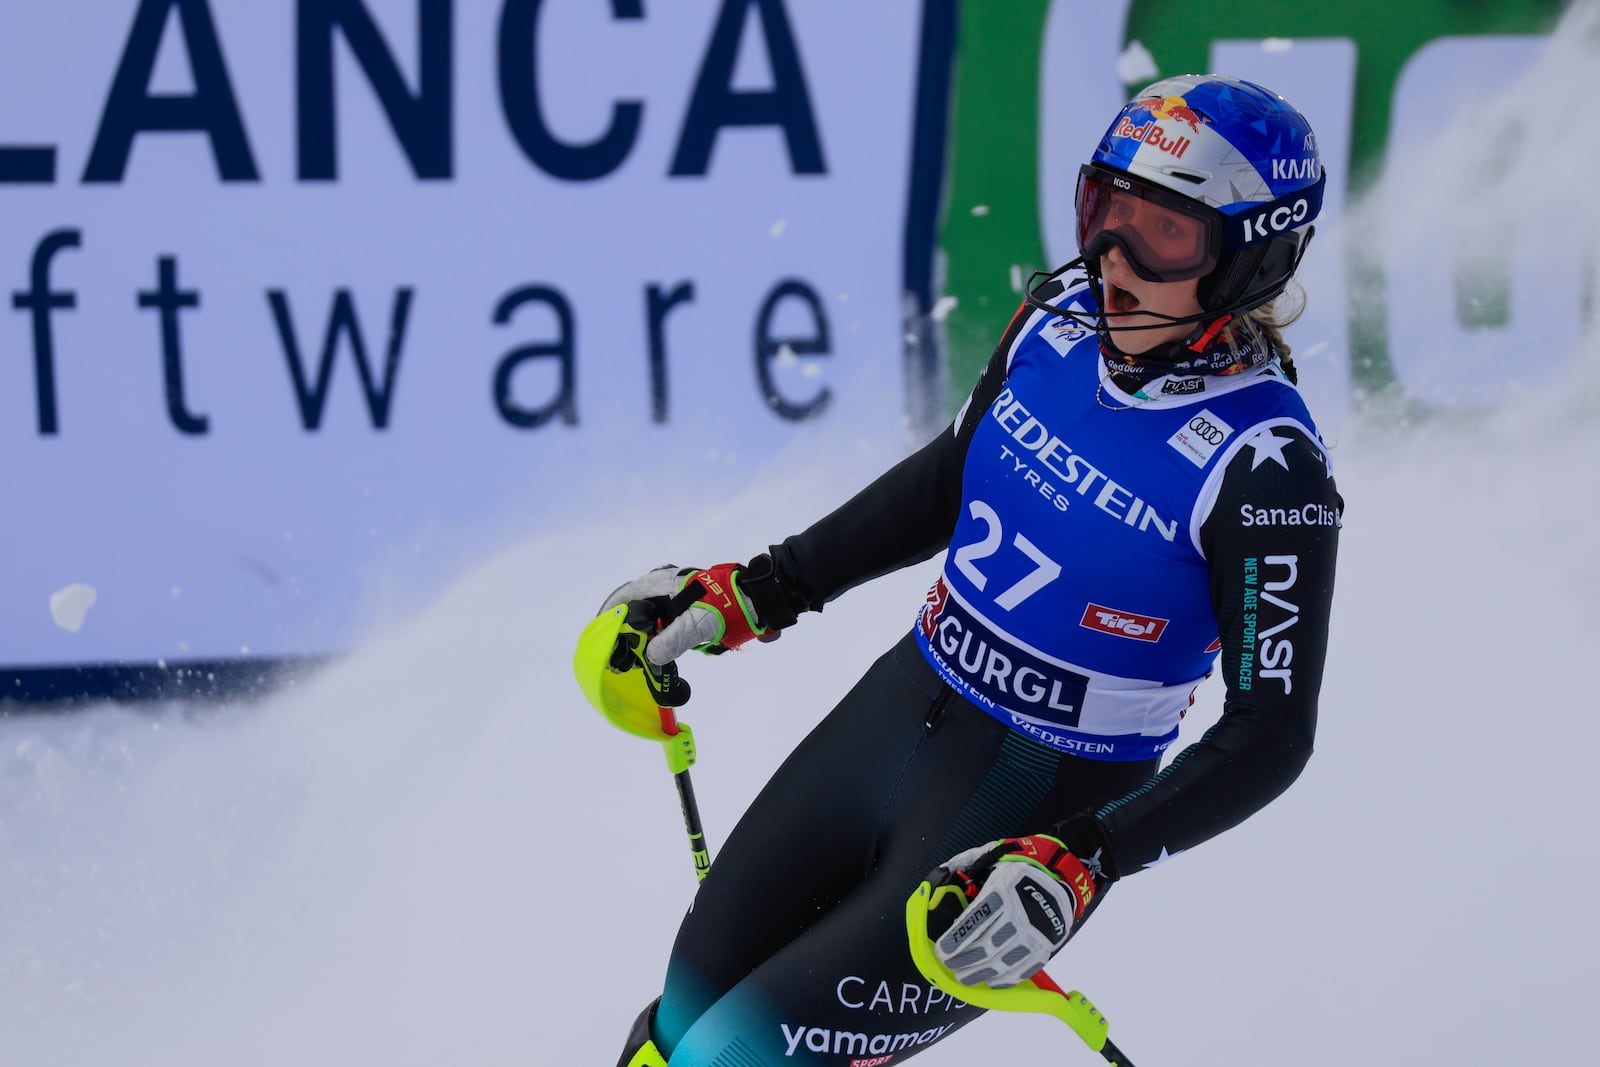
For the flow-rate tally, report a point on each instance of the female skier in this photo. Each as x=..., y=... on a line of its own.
x=1133, y=488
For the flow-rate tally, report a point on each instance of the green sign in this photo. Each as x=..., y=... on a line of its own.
x=992, y=235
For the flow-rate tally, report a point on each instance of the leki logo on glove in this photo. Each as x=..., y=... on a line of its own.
x=1084, y=885
x=714, y=587
x=1122, y=623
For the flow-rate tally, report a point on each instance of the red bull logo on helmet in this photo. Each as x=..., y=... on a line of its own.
x=1175, y=108
x=1164, y=109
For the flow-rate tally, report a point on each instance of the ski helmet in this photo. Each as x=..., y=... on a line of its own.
x=1237, y=170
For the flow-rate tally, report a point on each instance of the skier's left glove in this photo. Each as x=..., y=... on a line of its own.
x=1021, y=898
x=739, y=603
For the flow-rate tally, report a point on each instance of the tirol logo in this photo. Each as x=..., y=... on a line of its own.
x=1122, y=623
x=933, y=607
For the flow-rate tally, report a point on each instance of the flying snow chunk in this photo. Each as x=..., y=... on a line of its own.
x=1136, y=64
x=779, y=226
x=942, y=309
x=69, y=606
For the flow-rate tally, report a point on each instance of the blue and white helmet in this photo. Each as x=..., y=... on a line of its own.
x=1240, y=158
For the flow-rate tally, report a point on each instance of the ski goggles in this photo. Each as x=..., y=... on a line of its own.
x=1165, y=237
x=1169, y=238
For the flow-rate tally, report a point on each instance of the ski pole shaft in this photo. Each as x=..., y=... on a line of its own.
x=679, y=746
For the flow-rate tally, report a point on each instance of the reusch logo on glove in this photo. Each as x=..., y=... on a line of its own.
x=1041, y=911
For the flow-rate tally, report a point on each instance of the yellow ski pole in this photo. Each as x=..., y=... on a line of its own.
x=639, y=698
x=1038, y=994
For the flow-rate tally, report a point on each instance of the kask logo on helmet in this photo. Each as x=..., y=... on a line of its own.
x=1295, y=169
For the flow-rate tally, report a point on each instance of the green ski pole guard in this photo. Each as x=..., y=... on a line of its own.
x=1038, y=994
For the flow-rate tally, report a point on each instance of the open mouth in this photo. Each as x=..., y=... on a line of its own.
x=1119, y=300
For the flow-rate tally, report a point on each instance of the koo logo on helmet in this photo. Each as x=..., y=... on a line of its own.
x=1271, y=223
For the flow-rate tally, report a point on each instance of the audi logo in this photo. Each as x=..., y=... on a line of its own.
x=1206, y=431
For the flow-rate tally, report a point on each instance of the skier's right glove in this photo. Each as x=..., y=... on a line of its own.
x=738, y=604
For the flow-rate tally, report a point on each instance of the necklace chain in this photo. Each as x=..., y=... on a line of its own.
x=1138, y=400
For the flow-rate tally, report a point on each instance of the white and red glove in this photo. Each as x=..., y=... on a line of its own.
x=1024, y=897
x=723, y=617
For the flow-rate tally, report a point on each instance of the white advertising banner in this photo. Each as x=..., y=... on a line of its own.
x=302, y=302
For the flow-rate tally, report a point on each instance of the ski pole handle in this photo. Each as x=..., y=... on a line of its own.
x=1037, y=994
x=680, y=602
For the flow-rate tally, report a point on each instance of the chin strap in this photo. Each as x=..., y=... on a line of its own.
x=1204, y=351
